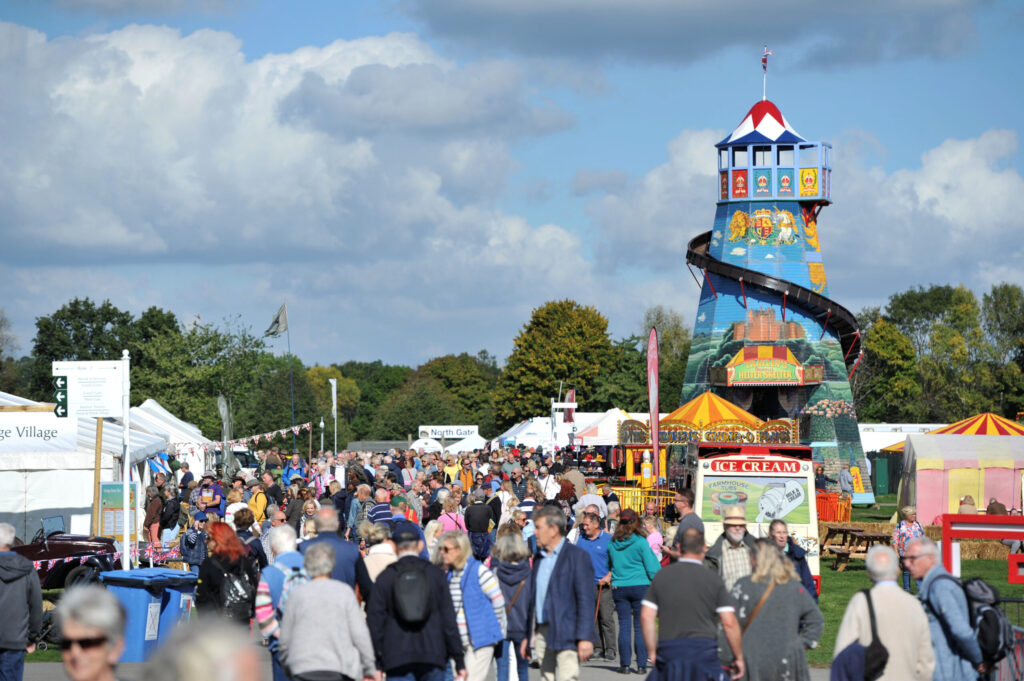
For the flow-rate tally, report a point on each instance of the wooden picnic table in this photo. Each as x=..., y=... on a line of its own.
x=843, y=532
x=863, y=541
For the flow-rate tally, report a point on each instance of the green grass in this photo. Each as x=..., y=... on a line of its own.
x=867, y=514
x=838, y=587
x=49, y=655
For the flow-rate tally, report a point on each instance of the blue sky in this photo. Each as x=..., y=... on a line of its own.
x=415, y=176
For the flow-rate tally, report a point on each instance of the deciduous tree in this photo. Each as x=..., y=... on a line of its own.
x=563, y=341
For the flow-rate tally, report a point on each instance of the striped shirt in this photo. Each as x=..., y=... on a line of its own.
x=491, y=588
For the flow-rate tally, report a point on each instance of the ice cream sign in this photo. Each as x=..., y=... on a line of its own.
x=754, y=466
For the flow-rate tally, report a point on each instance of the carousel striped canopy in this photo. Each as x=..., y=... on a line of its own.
x=986, y=423
x=710, y=408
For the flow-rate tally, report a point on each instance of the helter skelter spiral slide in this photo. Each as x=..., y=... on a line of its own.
x=767, y=337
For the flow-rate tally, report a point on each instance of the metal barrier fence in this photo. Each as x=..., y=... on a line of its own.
x=637, y=498
x=833, y=507
x=1014, y=609
x=1011, y=668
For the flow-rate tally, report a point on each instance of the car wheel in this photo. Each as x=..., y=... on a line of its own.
x=83, y=574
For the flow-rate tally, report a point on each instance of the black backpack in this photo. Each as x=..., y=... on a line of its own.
x=237, y=593
x=411, y=592
x=992, y=628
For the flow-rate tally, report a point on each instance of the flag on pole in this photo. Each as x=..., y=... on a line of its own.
x=652, y=398
x=280, y=323
x=334, y=397
x=764, y=59
x=570, y=413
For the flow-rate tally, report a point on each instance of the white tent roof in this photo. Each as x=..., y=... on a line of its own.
x=645, y=417
x=466, y=445
x=426, y=444
x=875, y=437
x=604, y=430
x=152, y=418
x=143, y=445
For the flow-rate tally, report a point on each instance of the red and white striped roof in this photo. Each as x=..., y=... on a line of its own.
x=763, y=123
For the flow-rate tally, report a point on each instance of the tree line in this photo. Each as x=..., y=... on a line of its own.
x=934, y=354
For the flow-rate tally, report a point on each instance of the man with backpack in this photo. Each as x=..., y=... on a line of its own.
x=957, y=654
x=411, y=616
x=900, y=624
x=276, y=583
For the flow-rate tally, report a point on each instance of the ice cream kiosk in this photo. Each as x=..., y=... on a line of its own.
x=768, y=481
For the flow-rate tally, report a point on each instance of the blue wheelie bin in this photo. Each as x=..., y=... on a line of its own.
x=179, y=597
x=153, y=599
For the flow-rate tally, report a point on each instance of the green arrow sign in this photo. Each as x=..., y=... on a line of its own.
x=60, y=396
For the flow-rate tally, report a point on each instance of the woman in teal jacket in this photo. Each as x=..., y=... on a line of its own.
x=633, y=566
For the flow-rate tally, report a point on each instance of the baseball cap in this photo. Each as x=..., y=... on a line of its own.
x=734, y=515
x=210, y=474
x=200, y=516
x=252, y=482
x=403, y=532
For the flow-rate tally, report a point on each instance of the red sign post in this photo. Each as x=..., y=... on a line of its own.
x=958, y=526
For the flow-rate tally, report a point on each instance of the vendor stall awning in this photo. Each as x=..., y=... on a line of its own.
x=986, y=423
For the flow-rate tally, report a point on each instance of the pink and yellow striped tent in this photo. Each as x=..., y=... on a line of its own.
x=938, y=470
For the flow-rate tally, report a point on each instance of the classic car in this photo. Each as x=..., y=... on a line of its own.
x=62, y=560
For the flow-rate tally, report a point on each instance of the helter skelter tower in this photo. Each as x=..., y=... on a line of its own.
x=767, y=336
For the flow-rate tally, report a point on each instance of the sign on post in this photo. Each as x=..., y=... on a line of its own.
x=94, y=389
x=98, y=389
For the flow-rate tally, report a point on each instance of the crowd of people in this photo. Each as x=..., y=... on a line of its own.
x=431, y=568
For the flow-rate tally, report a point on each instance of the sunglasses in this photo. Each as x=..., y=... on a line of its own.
x=83, y=643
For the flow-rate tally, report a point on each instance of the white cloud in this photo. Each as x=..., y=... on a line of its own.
x=356, y=181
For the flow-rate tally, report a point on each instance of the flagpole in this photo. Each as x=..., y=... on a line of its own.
x=291, y=383
x=764, y=86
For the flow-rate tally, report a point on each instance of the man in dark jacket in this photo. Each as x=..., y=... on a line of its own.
x=21, y=604
x=561, y=605
x=779, y=531
x=406, y=651
x=346, y=554
x=478, y=524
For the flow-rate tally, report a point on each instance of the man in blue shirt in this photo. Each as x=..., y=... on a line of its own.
x=295, y=468
x=594, y=541
x=561, y=603
x=957, y=655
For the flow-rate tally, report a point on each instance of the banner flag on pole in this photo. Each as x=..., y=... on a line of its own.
x=280, y=323
x=334, y=397
x=652, y=397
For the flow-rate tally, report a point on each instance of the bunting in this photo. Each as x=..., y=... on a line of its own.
x=254, y=439
x=156, y=552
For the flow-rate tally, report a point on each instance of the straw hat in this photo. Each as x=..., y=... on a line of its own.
x=734, y=515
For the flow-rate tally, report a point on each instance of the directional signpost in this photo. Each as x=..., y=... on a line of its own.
x=98, y=389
